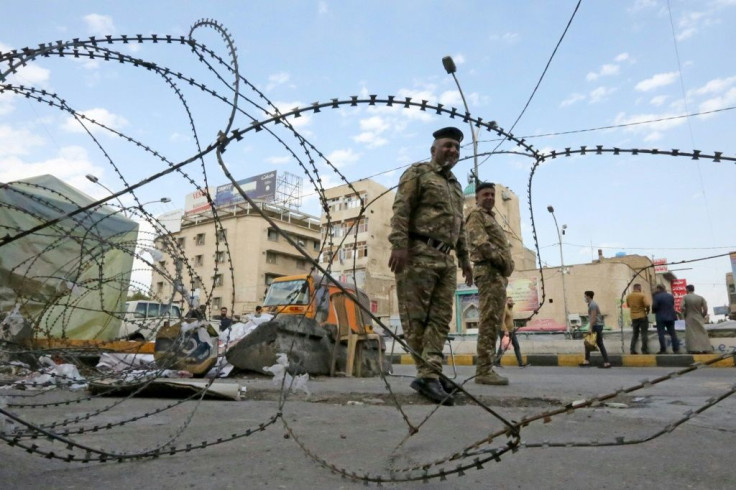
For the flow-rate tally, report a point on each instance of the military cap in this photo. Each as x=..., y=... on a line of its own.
x=484, y=185
x=449, y=132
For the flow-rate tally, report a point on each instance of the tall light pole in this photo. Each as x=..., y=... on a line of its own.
x=95, y=180
x=562, y=267
x=450, y=68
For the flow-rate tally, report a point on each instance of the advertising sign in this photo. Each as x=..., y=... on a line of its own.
x=261, y=187
x=660, y=266
x=678, y=291
x=196, y=202
x=525, y=294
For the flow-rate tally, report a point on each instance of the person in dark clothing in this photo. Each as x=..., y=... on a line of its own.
x=225, y=321
x=663, y=306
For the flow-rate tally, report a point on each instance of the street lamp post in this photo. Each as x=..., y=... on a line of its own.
x=562, y=267
x=95, y=180
x=450, y=68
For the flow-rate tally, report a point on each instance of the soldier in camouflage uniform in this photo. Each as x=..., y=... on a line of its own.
x=492, y=263
x=427, y=224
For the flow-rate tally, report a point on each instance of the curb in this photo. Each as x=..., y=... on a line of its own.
x=572, y=360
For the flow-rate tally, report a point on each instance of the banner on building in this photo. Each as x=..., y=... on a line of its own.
x=261, y=187
x=678, y=291
x=525, y=293
x=660, y=266
x=196, y=202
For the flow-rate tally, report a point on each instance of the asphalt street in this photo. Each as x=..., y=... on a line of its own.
x=355, y=425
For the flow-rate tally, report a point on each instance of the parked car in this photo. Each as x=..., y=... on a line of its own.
x=143, y=319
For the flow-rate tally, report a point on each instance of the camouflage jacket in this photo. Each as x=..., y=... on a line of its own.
x=429, y=202
x=487, y=242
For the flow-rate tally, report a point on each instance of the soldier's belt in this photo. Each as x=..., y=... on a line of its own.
x=485, y=262
x=436, y=244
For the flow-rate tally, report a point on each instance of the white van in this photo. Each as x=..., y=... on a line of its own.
x=143, y=319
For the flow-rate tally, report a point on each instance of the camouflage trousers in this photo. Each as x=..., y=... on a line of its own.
x=492, y=302
x=425, y=297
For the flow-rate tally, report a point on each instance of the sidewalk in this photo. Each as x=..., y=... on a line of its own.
x=558, y=351
x=619, y=360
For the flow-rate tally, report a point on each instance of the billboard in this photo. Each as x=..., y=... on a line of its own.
x=678, y=291
x=525, y=293
x=261, y=187
x=660, y=265
x=196, y=202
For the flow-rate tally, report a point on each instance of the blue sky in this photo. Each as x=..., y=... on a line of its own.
x=621, y=62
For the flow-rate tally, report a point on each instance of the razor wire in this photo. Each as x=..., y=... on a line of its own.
x=472, y=457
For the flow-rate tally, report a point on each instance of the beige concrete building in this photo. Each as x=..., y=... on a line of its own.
x=258, y=253
x=357, y=246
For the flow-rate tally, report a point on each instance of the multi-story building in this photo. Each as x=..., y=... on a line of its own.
x=356, y=244
x=257, y=250
x=731, y=289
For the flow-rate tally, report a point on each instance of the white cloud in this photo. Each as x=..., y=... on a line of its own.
x=98, y=114
x=371, y=128
x=99, y=25
x=322, y=8
x=7, y=103
x=658, y=80
x=572, y=99
x=606, y=70
x=643, y=4
x=726, y=100
x=621, y=57
x=374, y=124
x=278, y=160
x=15, y=142
x=342, y=158
x=300, y=122
x=506, y=37
x=71, y=164
x=277, y=79
x=372, y=140
x=653, y=130
x=658, y=100
x=714, y=86
x=599, y=94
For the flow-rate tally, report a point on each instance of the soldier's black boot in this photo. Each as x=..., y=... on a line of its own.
x=432, y=390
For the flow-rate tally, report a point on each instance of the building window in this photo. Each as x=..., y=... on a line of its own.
x=326, y=256
x=160, y=287
x=216, y=303
x=222, y=235
x=363, y=225
x=199, y=239
x=220, y=257
x=217, y=280
x=180, y=241
x=196, y=283
x=273, y=235
x=270, y=278
x=162, y=264
x=301, y=264
x=361, y=249
x=198, y=260
x=316, y=244
x=271, y=258
x=333, y=204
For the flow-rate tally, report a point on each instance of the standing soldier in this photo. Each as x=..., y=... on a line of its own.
x=427, y=225
x=491, y=256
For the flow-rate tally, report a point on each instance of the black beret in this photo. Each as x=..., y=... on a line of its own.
x=484, y=185
x=449, y=132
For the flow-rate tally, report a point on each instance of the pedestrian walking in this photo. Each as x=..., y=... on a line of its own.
x=596, y=325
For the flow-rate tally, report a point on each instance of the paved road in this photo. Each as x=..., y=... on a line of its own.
x=353, y=424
